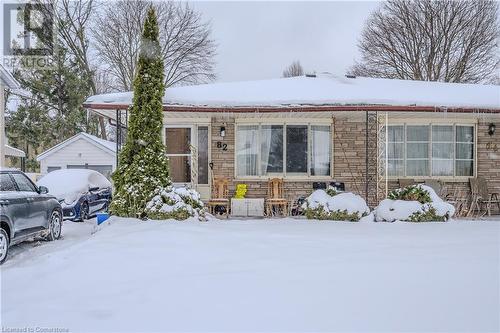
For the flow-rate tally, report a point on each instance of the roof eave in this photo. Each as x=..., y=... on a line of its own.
x=299, y=108
x=8, y=80
x=62, y=144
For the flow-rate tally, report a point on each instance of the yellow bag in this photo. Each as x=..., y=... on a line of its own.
x=241, y=190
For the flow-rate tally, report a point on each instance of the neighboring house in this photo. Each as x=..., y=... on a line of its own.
x=14, y=152
x=6, y=81
x=312, y=130
x=82, y=151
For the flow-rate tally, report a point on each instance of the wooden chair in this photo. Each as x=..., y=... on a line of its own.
x=276, y=198
x=481, y=197
x=460, y=199
x=220, y=196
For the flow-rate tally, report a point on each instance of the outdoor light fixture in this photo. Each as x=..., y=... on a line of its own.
x=223, y=131
x=491, y=129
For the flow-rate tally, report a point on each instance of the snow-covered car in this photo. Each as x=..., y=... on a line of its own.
x=81, y=192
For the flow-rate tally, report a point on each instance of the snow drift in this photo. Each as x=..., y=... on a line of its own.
x=343, y=206
x=390, y=210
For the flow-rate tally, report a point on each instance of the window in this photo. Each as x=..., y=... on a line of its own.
x=53, y=168
x=321, y=146
x=23, y=183
x=279, y=149
x=203, y=155
x=6, y=183
x=396, y=148
x=417, y=150
x=464, y=162
x=442, y=150
x=271, y=149
x=430, y=150
x=296, y=149
x=247, y=150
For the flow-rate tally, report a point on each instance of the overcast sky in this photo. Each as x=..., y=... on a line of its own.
x=256, y=40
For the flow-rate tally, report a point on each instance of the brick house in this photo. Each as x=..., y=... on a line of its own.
x=312, y=130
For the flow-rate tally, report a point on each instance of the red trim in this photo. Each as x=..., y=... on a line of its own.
x=344, y=108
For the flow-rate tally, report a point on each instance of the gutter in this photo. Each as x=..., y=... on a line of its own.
x=323, y=108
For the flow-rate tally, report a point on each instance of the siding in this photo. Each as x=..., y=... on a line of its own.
x=78, y=153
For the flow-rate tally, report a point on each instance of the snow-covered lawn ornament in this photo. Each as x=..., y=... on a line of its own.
x=175, y=203
x=416, y=203
x=321, y=205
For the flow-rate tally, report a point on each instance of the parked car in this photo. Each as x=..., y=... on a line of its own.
x=81, y=192
x=26, y=211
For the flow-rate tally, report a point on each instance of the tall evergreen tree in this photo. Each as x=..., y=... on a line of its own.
x=143, y=165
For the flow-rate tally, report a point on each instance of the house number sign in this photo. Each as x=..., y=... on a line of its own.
x=492, y=146
x=221, y=145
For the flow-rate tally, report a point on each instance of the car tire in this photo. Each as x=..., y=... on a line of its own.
x=84, y=211
x=4, y=245
x=55, y=226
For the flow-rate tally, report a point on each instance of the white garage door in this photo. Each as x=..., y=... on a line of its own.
x=106, y=170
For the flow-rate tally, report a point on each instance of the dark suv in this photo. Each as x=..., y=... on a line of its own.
x=26, y=211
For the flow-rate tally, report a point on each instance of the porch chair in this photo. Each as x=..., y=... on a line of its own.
x=219, y=197
x=460, y=199
x=481, y=197
x=275, y=198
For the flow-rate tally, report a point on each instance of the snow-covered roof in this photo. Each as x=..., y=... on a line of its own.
x=6, y=79
x=11, y=151
x=105, y=145
x=322, y=90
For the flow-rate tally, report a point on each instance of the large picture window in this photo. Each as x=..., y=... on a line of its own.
x=430, y=150
x=283, y=149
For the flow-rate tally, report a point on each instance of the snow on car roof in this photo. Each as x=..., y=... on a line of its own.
x=322, y=90
x=69, y=183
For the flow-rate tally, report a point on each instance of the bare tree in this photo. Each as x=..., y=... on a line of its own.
x=446, y=40
x=73, y=23
x=294, y=69
x=187, y=48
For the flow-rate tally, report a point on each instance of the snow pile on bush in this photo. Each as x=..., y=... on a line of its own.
x=175, y=203
x=417, y=203
x=340, y=207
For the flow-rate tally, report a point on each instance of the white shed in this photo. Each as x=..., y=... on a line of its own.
x=82, y=151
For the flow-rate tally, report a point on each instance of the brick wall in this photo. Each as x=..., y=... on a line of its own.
x=349, y=159
x=349, y=167
x=488, y=163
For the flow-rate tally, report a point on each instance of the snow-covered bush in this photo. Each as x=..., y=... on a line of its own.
x=410, y=193
x=418, y=203
x=338, y=207
x=175, y=203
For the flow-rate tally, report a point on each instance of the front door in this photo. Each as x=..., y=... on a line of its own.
x=188, y=152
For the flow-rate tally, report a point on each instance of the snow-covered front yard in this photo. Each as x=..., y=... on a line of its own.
x=264, y=275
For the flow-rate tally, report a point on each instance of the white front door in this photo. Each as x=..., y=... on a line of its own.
x=188, y=153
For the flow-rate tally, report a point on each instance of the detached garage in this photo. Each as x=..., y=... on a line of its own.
x=82, y=151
